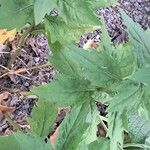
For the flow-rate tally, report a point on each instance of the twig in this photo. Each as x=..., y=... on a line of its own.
x=21, y=70
x=31, y=68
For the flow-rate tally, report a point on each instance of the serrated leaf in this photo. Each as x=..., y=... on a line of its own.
x=15, y=13
x=93, y=119
x=65, y=32
x=128, y=95
x=122, y=53
x=140, y=39
x=106, y=42
x=73, y=128
x=43, y=117
x=21, y=141
x=78, y=11
x=142, y=75
x=70, y=87
x=102, y=68
x=101, y=144
x=63, y=59
x=41, y=8
x=82, y=71
x=64, y=91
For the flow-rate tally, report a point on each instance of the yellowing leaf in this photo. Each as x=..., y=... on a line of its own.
x=7, y=35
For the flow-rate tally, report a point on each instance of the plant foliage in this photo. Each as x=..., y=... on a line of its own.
x=115, y=75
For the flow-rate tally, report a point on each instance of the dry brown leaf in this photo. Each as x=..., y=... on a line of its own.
x=3, y=96
x=7, y=35
x=4, y=108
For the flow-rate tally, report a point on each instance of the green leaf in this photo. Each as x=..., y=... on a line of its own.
x=15, y=13
x=64, y=91
x=43, y=117
x=138, y=126
x=142, y=75
x=122, y=53
x=102, y=68
x=97, y=67
x=97, y=4
x=82, y=72
x=41, y=8
x=20, y=141
x=116, y=127
x=146, y=101
x=128, y=96
x=106, y=42
x=64, y=61
x=65, y=32
x=78, y=11
x=73, y=128
x=101, y=144
x=124, y=56
x=147, y=144
x=70, y=87
x=140, y=39
x=82, y=146
x=71, y=22
x=94, y=119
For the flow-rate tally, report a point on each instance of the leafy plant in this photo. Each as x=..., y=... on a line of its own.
x=115, y=75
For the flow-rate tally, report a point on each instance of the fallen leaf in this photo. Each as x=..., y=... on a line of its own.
x=3, y=96
x=7, y=35
x=3, y=107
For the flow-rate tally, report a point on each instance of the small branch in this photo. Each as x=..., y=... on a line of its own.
x=21, y=70
x=31, y=68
